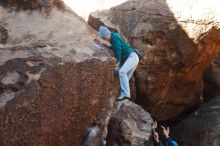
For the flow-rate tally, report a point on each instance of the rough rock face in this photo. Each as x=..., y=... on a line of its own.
x=45, y=5
x=212, y=80
x=178, y=39
x=202, y=127
x=130, y=126
x=55, y=82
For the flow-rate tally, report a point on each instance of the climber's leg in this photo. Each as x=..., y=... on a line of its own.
x=130, y=73
x=128, y=67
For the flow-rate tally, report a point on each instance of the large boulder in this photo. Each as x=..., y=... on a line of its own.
x=130, y=126
x=55, y=82
x=202, y=127
x=178, y=39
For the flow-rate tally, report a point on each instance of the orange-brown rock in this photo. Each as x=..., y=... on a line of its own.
x=178, y=39
x=55, y=81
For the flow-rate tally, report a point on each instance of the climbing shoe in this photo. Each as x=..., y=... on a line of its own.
x=121, y=98
x=119, y=103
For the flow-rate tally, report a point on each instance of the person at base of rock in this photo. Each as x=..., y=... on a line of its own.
x=166, y=133
x=125, y=55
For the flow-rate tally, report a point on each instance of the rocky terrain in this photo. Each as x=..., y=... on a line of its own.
x=58, y=87
x=130, y=126
x=55, y=82
x=178, y=39
x=201, y=127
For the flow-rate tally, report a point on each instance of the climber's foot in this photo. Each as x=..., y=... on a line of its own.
x=121, y=98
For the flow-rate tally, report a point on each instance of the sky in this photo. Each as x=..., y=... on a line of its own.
x=84, y=7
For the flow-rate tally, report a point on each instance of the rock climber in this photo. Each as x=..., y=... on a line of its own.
x=127, y=60
x=166, y=132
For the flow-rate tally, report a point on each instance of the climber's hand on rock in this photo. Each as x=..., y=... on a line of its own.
x=117, y=67
x=97, y=41
x=156, y=137
x=118, y=64
x=166, y=132
x=107, y=46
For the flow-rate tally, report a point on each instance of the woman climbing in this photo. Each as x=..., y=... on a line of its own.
x=127, y=61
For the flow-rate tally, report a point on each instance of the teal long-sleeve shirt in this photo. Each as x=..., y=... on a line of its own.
x=122, y=49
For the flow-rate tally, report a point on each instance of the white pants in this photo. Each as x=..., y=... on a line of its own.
x=126, y=72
